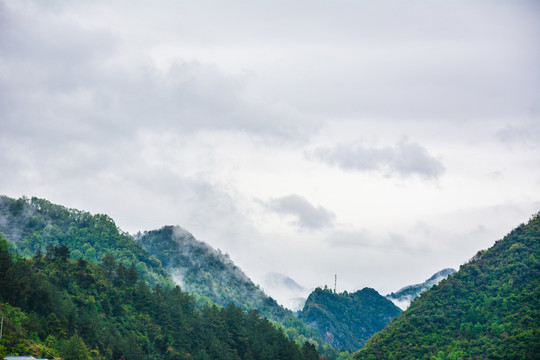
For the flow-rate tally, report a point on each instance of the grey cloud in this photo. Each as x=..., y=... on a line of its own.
x=528, y=133
x=411, y=61
x=61, y=81
x=308, y=216
x=404, y=159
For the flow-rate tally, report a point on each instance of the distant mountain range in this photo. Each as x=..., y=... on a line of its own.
x=285, y=290
x=488, y=309
x=404, y=296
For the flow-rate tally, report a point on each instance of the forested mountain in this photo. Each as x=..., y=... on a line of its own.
x=200, y=269
x=204, y=271
x=404, y=296
x=347, y=320
x=489, y=309
x=33, y=225
x=53, y=306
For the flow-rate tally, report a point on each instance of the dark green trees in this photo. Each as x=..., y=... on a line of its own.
x=79, y=310
x=346, y=320
x=34, y=224
x=489, y=309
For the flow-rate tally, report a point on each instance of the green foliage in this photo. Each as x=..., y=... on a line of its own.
x=346, y=320
x=34, y=224
x=74, y=349
x=489, y=309
x=212, y=275
x=81, y=311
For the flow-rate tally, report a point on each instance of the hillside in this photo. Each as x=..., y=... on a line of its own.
x=53, y=306
x=489, y=309
x=33, y=225
x=404, y=296
x=204, y=271
x=200, y=269
x=347, y=320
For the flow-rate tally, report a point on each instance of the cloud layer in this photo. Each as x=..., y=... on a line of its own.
x=403, y=159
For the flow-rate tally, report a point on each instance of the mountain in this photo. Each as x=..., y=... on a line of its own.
x=53, y=307
x=33, y=225
x=285, y=290
x=200, y=269
x=348, y=320
x=489, y=309
x=404, y=296
x=207, y=272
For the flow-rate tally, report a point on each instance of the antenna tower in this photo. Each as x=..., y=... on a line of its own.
x=335, y=283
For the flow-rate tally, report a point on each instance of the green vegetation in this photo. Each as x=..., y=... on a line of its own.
x=212, y=275
x=200, y=269
x=346, y=320
x=489, y=309
x=54, y=306
x=35, y=224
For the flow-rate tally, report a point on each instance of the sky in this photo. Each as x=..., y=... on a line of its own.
x=381, y=141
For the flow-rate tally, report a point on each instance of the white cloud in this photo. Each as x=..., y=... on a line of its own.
x=404, y=159
x=306, y=214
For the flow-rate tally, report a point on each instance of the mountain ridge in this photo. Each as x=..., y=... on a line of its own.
x=214, y=276
x=34, y=225
x=404, y=296
x=348, y=320
x=488, y=309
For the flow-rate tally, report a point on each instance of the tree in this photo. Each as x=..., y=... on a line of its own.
x=74, y=349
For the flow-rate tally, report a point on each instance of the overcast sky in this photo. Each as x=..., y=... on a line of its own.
x=379, y=140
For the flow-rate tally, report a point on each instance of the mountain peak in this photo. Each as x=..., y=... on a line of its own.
x=347, y=320
x=404, y=296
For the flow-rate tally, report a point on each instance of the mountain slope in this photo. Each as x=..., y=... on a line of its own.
x=53, y=306
x=200, y=269
x=346, y=320
x=489, y=309
x=34, y=224
x=210, y=274
x=404, y=296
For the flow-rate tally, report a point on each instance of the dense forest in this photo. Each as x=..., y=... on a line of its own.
x=53, y=306
x=31, y=225
x=347, y=320
x=489, y=309
x=211, y=274
x=73, y=285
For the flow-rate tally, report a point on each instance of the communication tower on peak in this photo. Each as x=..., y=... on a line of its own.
x=335, y=283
